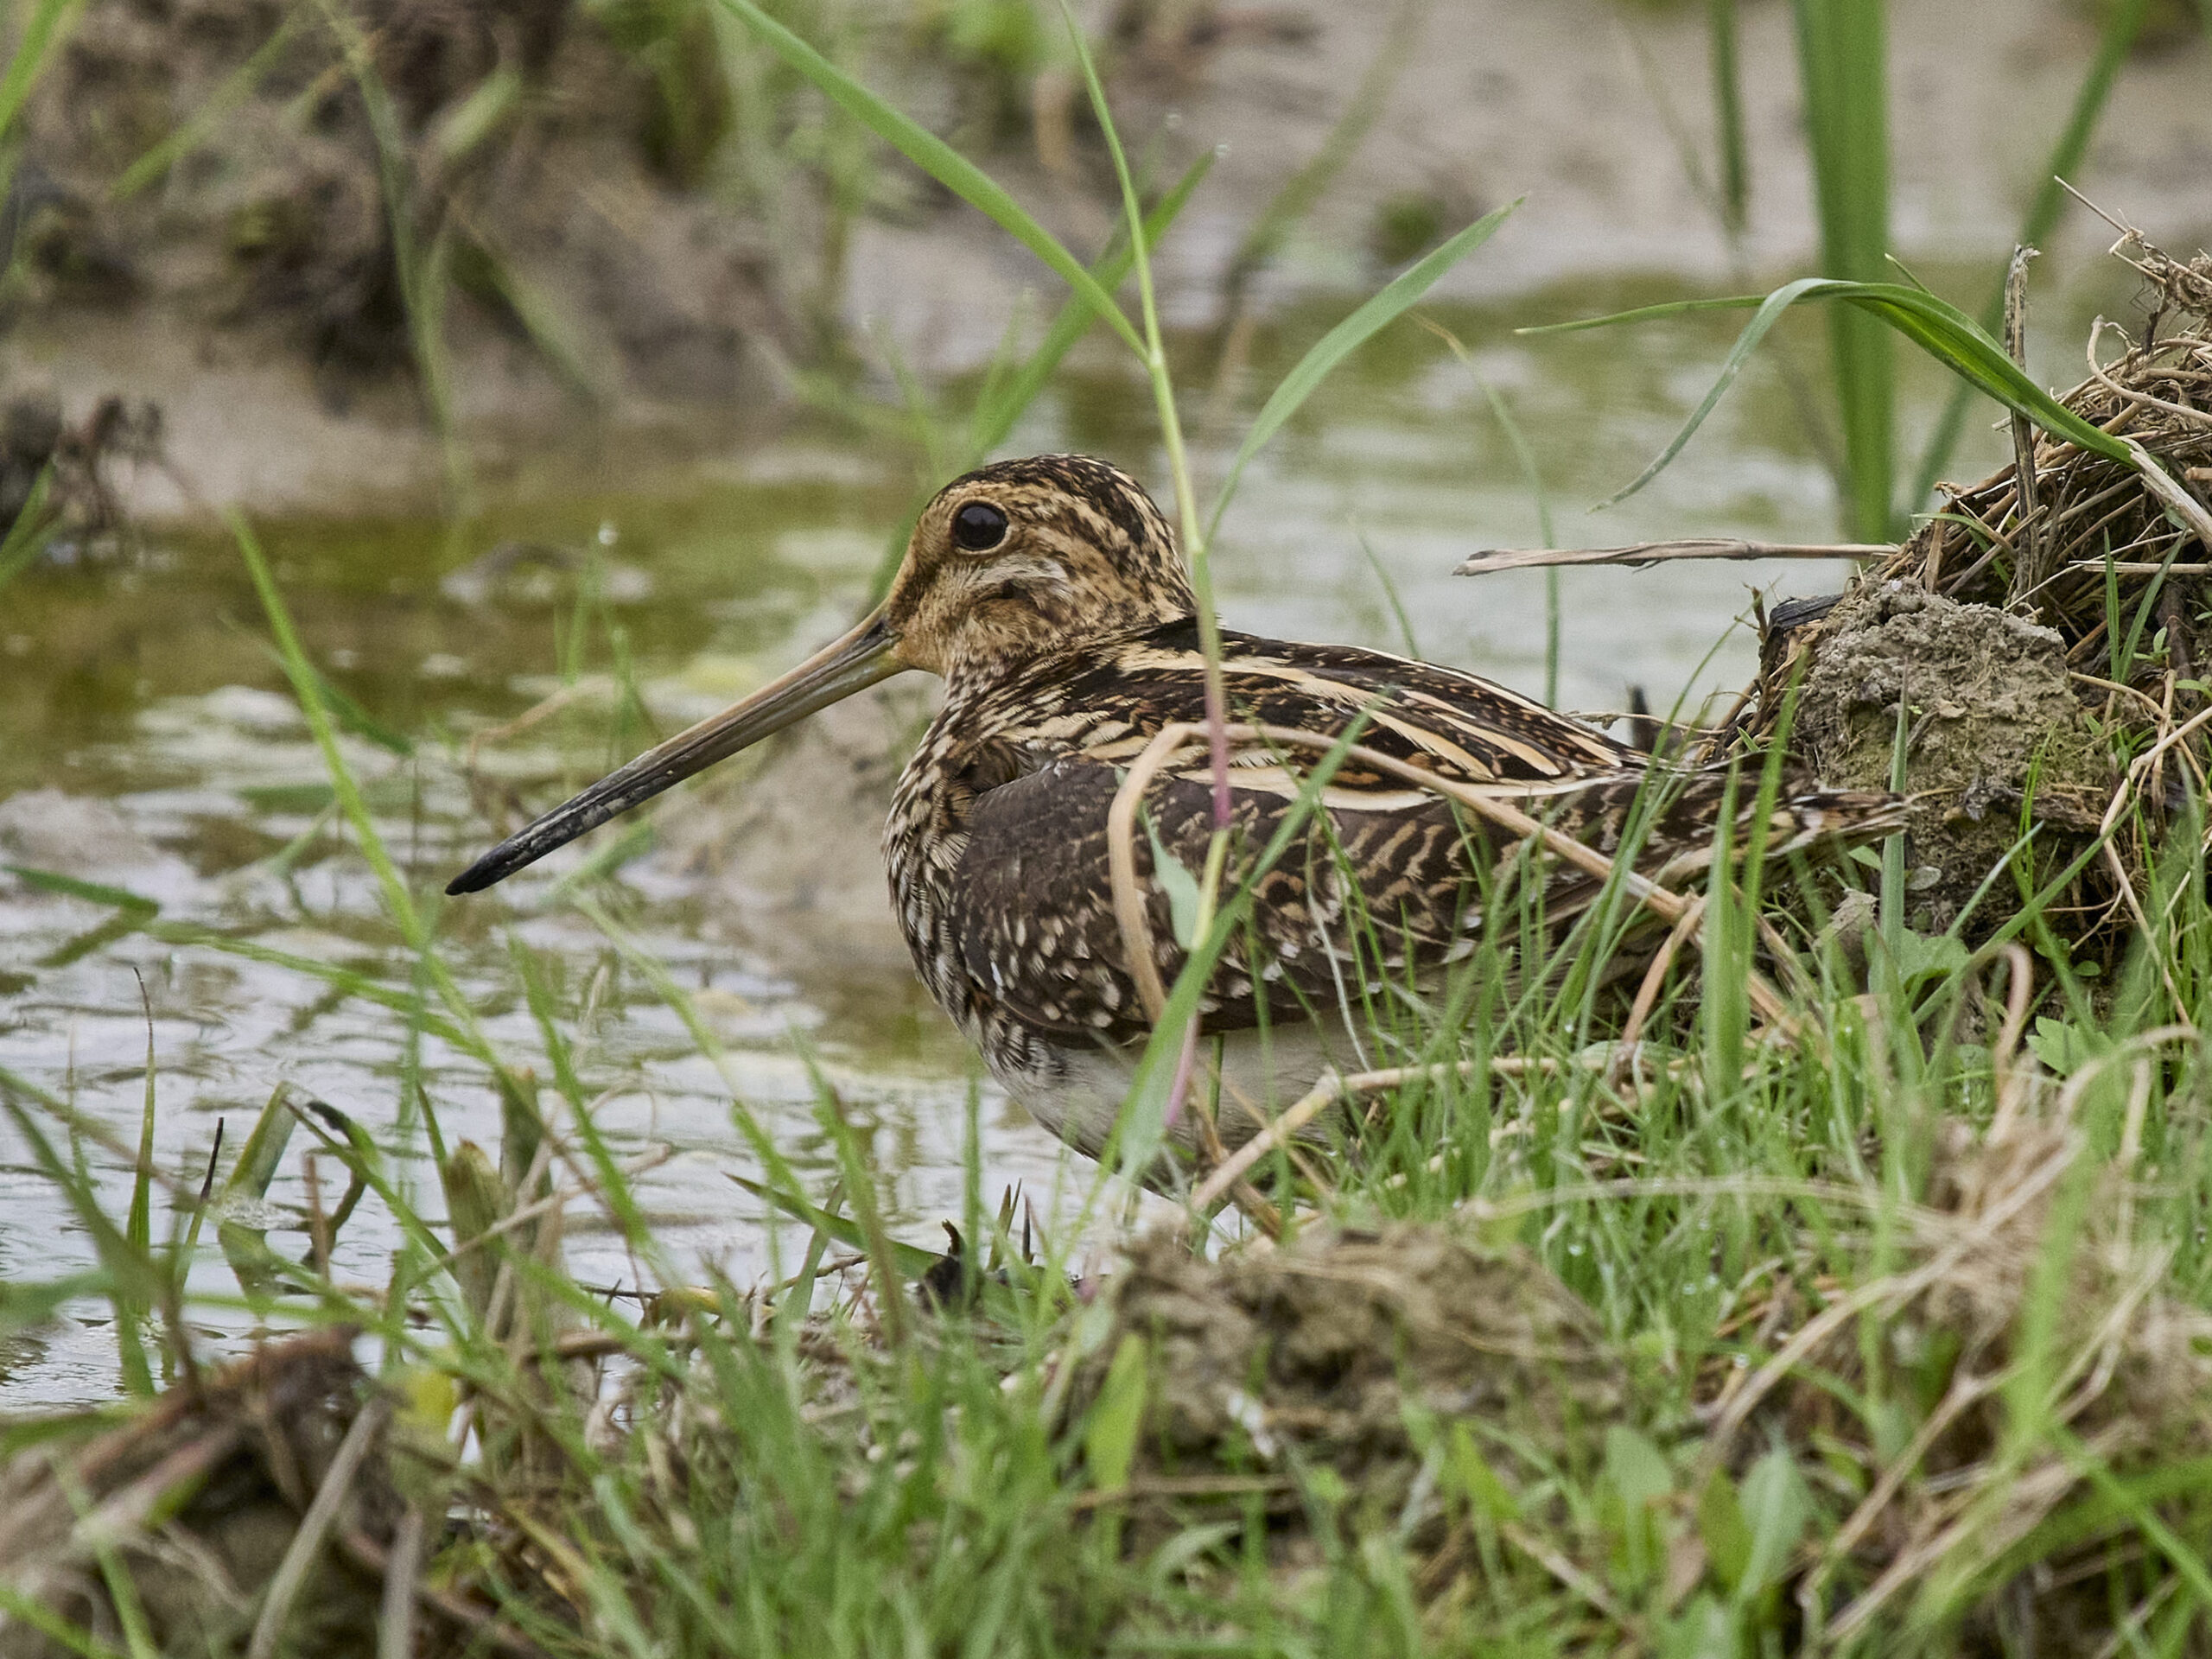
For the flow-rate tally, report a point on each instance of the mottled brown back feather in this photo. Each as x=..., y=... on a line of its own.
x=1000, y=853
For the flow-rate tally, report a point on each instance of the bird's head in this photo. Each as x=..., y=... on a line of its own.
x=1009, y=564
x=1024, y=558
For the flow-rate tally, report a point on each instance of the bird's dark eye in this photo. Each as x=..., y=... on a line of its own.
x=979, y=527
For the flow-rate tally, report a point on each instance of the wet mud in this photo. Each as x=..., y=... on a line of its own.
x=1334, y=1351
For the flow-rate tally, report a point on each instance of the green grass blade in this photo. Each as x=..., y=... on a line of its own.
x=910, y=1260
x=860, y=1182
x=131, y=912
x=263, y=1149
x=70, y=887
x=1525, y=453
x=26, y=537
x=1728, y=116
x=1197, y=539
x=200, y=125
x=349, y=715
x=344, y=980
x=1386, y=306
x=1294, y=199
x=43, y=33
x=2187, y=1563
x=1141, y=1125
x=1841, y=45
x=131, y=1284
x=306, y=686
x=139, y=1228
x=423, y=270
x=995, y=417
x=37, y=1615
x=1940, y=328
x=2120, y=30
x=937, y=159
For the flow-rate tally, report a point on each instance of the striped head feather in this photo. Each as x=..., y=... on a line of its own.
x=1023, y=559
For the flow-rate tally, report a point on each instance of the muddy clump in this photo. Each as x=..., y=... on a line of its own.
x=1329, y=1351
x=1993, y=733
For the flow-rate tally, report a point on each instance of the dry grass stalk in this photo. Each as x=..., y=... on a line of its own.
x=1639, y=553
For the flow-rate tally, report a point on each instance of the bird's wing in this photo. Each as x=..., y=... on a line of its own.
x=1039, y=933
x=1378, y=877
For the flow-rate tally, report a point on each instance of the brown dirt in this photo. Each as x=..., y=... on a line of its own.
x=279, y=222
x=1329, y=1351
x=198, y=1499
x=1997, y=629
x=1352, y=1348
x=2127, y=1370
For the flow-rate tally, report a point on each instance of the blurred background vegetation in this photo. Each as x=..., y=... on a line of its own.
x=505, y=222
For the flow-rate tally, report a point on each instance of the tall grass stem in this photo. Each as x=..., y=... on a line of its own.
x=1842, y=47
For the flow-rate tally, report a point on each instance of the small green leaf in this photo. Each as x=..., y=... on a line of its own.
x=1477, y=1482
x=1777, y=1507
x=1641, y=1479
x=1921, y=955
x=2063, y=1047
x=1727, y=1535
x=1637, y=1470
x=1182, y=889
x=1700, y=1630
x=1109, y=1438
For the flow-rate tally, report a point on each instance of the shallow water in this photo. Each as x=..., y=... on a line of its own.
x=147, y=742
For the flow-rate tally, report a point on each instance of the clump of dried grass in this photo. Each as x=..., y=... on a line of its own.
x=2106, y=575
x=257, y=1496
x=2012, y=1355
x=2053, y=1366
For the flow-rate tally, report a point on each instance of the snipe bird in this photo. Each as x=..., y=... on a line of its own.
x=1049, y=594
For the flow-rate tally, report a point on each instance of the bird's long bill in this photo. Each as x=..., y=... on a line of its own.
x=835, y=672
